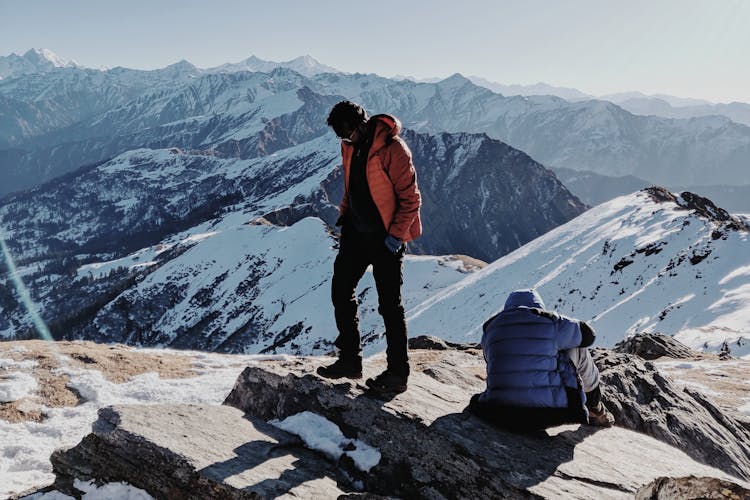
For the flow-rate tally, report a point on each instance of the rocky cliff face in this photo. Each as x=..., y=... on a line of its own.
x=441, y=451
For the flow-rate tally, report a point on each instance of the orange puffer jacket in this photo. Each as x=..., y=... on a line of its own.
x=391, y=178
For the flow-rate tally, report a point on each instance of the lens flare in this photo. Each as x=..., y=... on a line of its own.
x=23, y=294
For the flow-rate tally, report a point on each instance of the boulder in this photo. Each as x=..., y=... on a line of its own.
x=654, y=345
x=195, y=452
x=643, y=400
x=668, y=488
x=437, y=344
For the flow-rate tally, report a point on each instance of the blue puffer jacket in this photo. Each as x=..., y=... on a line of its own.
x=524, y=347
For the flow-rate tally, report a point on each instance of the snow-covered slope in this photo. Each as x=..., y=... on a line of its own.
x=643, y=262
x=252, y=288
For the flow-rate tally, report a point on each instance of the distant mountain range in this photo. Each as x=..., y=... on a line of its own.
x=55, y=122
x=736, y=111
x=541, y=88
x=304, y=65
x=638, y=103
x=593, y=189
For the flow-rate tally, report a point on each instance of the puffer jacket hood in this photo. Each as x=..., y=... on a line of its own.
x=524, y=298
x=386, y=128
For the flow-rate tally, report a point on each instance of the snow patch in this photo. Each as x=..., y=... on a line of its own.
x=9, y=364
x=107, y=491
x=15, y=386
x=322, y=435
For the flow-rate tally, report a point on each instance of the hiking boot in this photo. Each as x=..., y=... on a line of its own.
x=387, y=382
x=601, y=417
x=342, y=368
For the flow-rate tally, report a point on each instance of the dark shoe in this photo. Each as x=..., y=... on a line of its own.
x=342, y=368
x=387, y=382
x=601, y=417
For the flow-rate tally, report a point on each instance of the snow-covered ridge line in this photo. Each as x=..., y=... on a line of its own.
x=630, y=265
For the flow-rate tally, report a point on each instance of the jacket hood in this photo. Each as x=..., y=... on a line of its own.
x=524, y=298
x=386, y=128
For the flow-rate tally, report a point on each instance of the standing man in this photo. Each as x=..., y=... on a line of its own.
x=378, y=215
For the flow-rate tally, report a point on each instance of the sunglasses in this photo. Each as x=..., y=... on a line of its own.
x=346, y=133
x=348, y=139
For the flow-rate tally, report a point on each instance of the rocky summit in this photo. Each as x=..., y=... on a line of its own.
x=425, y=445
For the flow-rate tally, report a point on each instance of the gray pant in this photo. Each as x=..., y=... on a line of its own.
x=585, y=368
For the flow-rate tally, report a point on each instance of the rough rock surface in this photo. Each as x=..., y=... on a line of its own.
x=666, y=488
x=195, y=452
x=432, y=449
x=643, y=400
x=700, y=205
x=654, y=345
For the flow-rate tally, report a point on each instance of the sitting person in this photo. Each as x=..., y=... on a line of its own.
x=539, y=372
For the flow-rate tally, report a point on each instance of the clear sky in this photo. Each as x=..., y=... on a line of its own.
x=687, y=48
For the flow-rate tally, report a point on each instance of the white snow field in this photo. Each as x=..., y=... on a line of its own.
x=626, y=266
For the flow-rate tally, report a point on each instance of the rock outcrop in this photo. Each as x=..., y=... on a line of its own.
x=643, y=400
x=441, y=451
x=195, y=452
x=429, y=446
x=667, y=488
x=654, y=345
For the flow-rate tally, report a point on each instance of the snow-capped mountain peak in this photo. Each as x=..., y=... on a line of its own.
x=305, y=65
x=32, y=61
x=41, y=55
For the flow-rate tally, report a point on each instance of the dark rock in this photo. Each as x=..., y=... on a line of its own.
x=667, y=488
x=621, y=264
x=653, y=345
x=429, y=342
x=643, y=400
x=195, y=452
x=696, y=258
x=660, y=194
x=703, y=207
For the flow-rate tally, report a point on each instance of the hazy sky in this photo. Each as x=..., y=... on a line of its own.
x=686, y=48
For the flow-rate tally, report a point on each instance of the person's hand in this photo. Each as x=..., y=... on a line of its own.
x=392, y=243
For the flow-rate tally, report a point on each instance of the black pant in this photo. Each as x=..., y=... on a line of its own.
x=357, y=251
x=530, y=418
